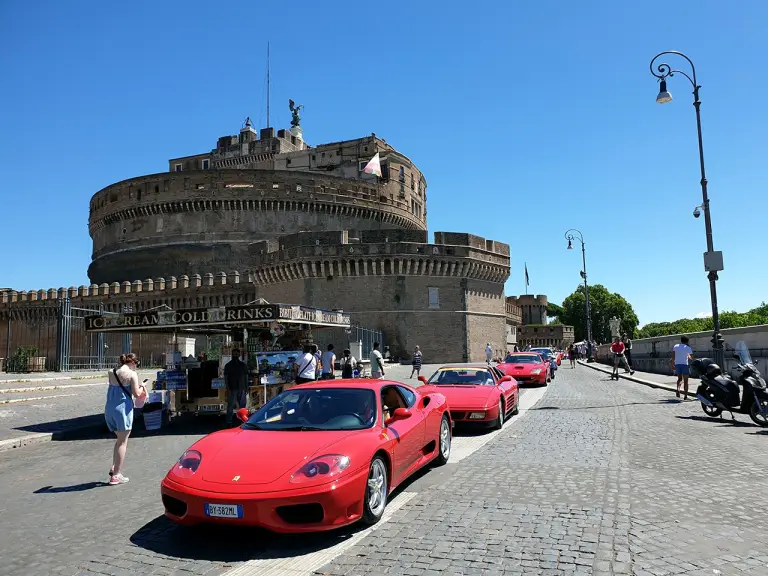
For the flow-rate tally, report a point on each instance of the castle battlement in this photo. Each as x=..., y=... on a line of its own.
x=528, y=300
x=316, y=255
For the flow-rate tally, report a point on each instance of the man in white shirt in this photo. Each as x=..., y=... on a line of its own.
x=329, y=361
x=488, y=353
x=377, y=362
x=307, y=366
x=681, y=354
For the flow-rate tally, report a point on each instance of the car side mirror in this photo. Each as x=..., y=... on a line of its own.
x=243, y=415
x=422, y=380
x=397, y=415
x=506, y=379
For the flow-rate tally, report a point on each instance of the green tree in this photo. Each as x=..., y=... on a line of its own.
x=730, y=319
x=604, y=305
x=554, y=311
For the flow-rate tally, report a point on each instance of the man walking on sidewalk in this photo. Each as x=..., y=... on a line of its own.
x=681, y=354
x=627, y=349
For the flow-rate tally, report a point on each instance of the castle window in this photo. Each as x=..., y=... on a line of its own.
x=385, y=171
x=413, y=183
x=275, y=185
x=177, y=167
x=402, y=174
x=206, y=164
x=157, y=189
x=434, y=297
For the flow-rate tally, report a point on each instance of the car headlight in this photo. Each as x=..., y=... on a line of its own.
x=324, y=467
x=536, y=371
x=187, y=464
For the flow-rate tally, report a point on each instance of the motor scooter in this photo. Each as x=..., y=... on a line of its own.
x=718, y=391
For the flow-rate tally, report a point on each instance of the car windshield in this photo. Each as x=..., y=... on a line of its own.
x=525, y=359
x=303, y=409
x=459, y=376
x=545, y=353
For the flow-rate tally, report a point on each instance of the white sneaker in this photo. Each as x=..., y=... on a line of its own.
x=118, y=479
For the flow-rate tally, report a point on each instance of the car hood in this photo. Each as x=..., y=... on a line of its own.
x=262, y=456
x=512, y=369
x=466, y=396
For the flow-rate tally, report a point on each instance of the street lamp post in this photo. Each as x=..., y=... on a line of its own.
x=572, y=235
x=713, y=261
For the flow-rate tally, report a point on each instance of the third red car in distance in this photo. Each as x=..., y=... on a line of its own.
x=526, y=368
x=478, y=394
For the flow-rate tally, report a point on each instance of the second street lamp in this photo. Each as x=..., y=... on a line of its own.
x=713, y=261
x=572, y=235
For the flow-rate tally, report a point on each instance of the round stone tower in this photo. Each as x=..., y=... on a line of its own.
x=209, y=210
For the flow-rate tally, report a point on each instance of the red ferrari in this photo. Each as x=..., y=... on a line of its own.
x=318, y=456
x=526, y=368
x=476, y=394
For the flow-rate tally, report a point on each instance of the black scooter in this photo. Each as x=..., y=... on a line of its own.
x=718, y=391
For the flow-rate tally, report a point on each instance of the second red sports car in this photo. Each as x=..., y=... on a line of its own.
x=526, y=368
x=476, y=394
x=318, y=456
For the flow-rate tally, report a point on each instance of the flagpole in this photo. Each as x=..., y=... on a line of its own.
x=525, y=271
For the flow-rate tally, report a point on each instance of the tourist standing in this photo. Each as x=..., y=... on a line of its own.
x=572, y=355
x=628, y=349
x=488, y=353
x=329, y=363
x=348, y=365
x=416, y=362
x=236, y=379
x=118, y=411
x=681, y=355
x=377, y=362
x=307, y=367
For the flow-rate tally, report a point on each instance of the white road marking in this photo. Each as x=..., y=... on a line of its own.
x=304, y=564
x=46, y=388
x=13, y=400
x=464, y=446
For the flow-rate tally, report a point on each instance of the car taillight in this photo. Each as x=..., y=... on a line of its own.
x=188, y=464
x=325, y=467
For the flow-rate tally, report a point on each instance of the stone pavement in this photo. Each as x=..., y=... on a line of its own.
x=663, y=381
x=590, y=482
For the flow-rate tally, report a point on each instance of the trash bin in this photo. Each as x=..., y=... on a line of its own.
x=153, y=415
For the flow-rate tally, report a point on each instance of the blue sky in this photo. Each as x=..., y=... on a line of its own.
x=527, y=118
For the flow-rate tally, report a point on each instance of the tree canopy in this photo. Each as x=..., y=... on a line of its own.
x=604, y=306
x=753, y=317
x=554, y=311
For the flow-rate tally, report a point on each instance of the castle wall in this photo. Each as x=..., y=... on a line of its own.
x=165, y=224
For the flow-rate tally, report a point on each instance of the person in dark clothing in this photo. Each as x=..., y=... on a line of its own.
x=627, y=349
x=236, y=378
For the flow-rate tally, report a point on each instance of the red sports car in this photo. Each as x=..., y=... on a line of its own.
x=319, y=456
x=476, y=394
x=526, y=368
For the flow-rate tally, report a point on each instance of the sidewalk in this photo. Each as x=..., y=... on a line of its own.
x=6, y=378
x=661, y=381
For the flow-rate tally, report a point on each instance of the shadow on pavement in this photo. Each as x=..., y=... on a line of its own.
x=185, y=425
x=725, y=421
x=666, y=401
x=74, y=488
x=218, y=543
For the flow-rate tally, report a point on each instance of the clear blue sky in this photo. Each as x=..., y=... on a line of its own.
x=527, y=118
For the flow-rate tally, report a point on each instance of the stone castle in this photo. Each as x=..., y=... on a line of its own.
x=264, y=215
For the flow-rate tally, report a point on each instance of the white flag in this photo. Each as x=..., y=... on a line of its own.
x=373, y=166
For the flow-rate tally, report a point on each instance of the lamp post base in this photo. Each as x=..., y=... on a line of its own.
x=717, y=349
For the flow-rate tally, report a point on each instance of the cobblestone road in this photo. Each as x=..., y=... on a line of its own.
x=593, y=480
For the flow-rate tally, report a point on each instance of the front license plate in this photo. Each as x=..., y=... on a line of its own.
x=210, y=408
x=224, y=510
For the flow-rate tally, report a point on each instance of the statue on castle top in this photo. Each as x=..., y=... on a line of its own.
x=296, y=119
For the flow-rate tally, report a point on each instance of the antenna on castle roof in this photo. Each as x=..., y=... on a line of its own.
x=268, y=86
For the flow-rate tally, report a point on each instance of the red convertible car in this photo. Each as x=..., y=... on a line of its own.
x=526, y=368
x=318, y=456
x=476, y=394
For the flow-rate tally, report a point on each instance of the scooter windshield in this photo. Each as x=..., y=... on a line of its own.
x=742, y=350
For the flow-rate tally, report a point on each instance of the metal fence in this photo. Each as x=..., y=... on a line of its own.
x=342, y=338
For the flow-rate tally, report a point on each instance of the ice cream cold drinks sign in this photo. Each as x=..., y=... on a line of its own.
x=224, y=315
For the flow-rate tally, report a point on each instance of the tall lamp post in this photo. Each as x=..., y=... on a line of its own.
x=713, y=261
x=572, y=235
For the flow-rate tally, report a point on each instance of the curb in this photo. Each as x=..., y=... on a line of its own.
x=643, y=381
x=101, y=374
x=41, y=437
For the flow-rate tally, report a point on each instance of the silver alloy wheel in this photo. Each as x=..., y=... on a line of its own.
x=377, y=487
x=501, y=413
x=445, y=438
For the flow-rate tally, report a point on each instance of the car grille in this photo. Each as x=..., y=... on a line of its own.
x=301, y=513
